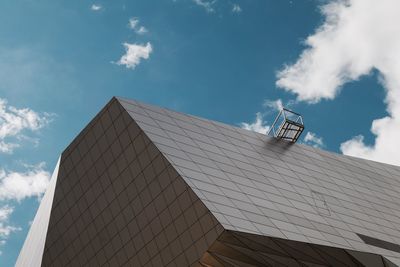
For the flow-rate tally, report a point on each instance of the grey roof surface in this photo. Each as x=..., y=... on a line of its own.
x=256, y=184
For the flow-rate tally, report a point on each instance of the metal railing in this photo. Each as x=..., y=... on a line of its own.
x=288, y=125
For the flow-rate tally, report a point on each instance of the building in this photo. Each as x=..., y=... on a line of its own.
x=146, y=186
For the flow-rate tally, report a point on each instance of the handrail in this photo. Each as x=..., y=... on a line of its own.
x=284, y=126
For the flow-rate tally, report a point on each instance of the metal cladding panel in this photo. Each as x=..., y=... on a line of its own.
x=32, y=251
x=256, y=184
x=119, y=202
x=243, y=249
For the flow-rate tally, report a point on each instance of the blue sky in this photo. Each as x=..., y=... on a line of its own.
x=226, y=60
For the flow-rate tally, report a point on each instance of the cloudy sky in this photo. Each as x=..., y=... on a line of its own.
x=236, y=61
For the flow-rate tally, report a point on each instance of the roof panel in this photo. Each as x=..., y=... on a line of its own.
x=326, y=197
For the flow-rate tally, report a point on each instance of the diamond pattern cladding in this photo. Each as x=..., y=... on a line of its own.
x=119, y=202
x=255, y=184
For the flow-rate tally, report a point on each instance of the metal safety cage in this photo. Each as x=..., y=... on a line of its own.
x=288, y=125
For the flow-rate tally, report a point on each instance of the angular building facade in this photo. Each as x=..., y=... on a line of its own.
x=146, y=186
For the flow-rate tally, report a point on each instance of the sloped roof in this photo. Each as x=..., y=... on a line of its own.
x=253, y=183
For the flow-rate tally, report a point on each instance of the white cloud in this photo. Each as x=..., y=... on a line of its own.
x=134, y=54
x=5, y=212
x=142, y=30
x=96, y=7
x=133, y=22
x=206, y=4
x=313, y=140
x=236, y=8
x=386, y=146
x=258, y=125
x=276, y=105
x=14, y=121
x=356, y=37
x=5, y=228
x=21, y=185
x=134, y=25
x=7, y=148
x=16, y=186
